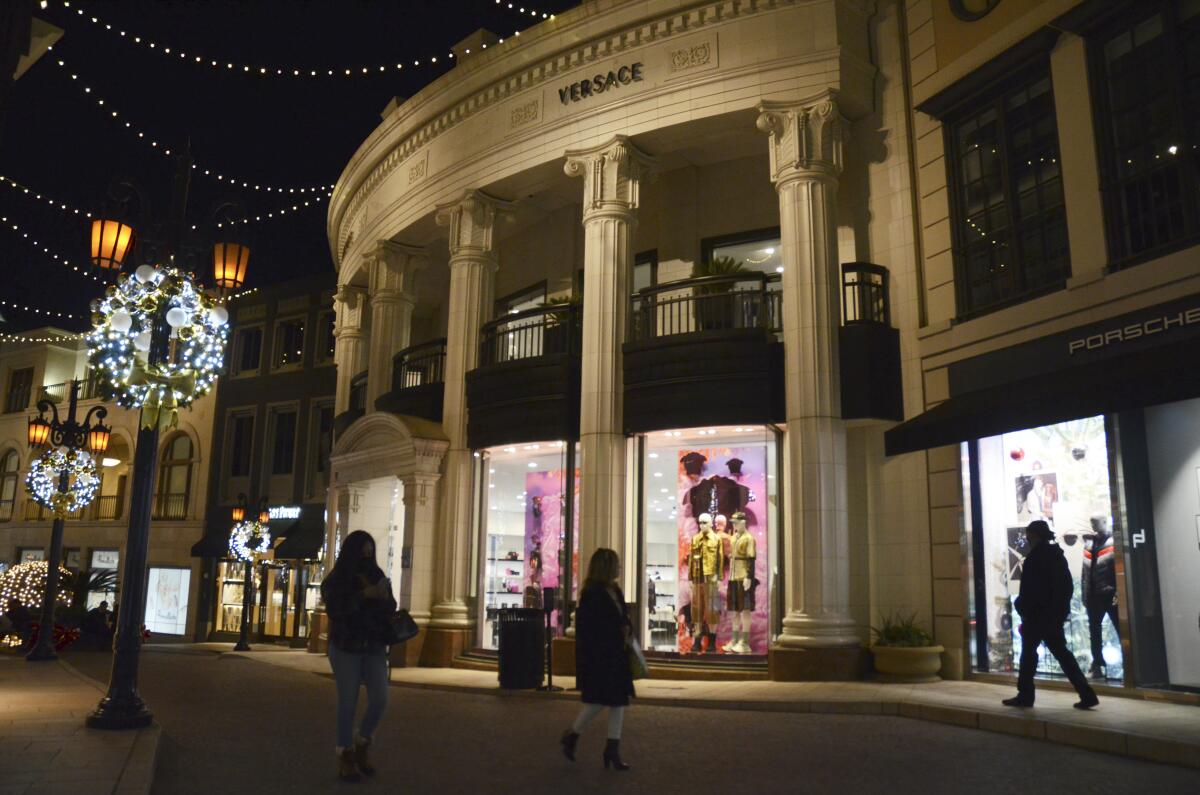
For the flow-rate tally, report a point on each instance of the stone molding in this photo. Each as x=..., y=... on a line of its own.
x=806, y=137
x=612, y=174
x=349, y=304
x=393, y=271
x=472, y=222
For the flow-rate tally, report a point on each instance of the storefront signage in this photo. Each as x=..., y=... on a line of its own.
x=1133, y=331
x=601, y=83
x=284, y=512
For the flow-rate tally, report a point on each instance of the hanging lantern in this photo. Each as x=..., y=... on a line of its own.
x=39, y=431
x=110, y=243
x=98, y=436
x=264, y=516
x=229, y=265
x=238, y=513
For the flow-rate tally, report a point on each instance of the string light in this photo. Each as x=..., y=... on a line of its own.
x=4, y=220
x=82, y=481
x=253, y=219
x=249, y=539
x=245, y=69
x=166, y=151
x=524, y=11
x=26, y=582
x=59, y=338
x=61, y=205
x=36, y=311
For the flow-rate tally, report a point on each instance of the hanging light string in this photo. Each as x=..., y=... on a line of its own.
x=5, y=221
x=524, y=11
x=282, y=211
x=36, y=311
x=60, y=205
x=246, y=69
x=163, y=150
x=58, y=338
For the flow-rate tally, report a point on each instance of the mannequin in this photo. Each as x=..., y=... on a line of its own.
x=720, y=527
x=1099, y=586
x=742, y=585
x=706, y=567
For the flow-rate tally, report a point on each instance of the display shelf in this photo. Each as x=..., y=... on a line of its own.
x=506, y=560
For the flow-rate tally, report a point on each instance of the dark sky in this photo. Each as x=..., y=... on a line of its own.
x=267, y=130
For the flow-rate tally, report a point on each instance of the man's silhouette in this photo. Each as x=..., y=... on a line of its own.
x=1044, y=604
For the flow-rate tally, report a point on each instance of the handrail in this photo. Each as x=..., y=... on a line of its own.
x=541, y=331
x=706, y=304
x=865, y=294
x=358, y=391
x=705, y=281
x=419, y=365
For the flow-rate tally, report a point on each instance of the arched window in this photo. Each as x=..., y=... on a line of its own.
x=9, y=464
x=174, y=478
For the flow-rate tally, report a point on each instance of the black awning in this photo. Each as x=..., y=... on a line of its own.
x=302, y=540
x=213, y=544
x=1159, y=375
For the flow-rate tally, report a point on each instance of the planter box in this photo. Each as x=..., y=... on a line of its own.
x=910, y=664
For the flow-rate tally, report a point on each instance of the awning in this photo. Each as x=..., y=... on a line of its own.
x=1158, y=375
x=213, y=544
x=304, y=538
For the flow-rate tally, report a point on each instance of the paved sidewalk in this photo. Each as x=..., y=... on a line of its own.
x=44, y=745
x=1148, y=730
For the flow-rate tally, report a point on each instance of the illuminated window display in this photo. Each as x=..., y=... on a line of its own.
x=525, y=529
x=167, y=591
x=709, y=510
x=1059, y=473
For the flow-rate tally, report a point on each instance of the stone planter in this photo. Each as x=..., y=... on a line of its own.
x=908, y=663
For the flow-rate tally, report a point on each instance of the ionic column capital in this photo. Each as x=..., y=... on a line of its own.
x=806, y=137
x=472, y=222
x=612, y=175
x=393, y=269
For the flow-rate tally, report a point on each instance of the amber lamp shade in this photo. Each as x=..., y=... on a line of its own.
x=264, y=517
x=39, y=432
x=239, y=513
x=229, y=265
x=98, y=436
x=110, y=243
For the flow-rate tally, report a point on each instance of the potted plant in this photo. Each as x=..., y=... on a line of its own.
x=714, y=303
x=905, y=652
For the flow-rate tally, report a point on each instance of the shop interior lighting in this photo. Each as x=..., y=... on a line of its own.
x=109, y=462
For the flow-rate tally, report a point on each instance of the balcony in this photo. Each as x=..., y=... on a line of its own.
x=418, y=381
x=868, y=346
x=102, y=509
x=169, y=507
x=526, y=385
x=358, y=404
x=704, y=351
x=89, y=389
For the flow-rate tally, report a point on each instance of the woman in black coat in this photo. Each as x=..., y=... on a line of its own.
x=602, y=637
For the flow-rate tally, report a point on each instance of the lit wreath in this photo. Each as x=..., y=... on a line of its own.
x=82, y=481
x=248, y=539
x=119, y=343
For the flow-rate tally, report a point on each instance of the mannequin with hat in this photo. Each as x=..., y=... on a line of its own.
x=742, y=585
x=706, y=568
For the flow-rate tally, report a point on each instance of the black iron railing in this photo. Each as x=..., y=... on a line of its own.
x=89, y=389
x=542, y=331
x=865, y=294
x=103, y=509
x=419, y=365
x=358, y=392
x=169, y=506
x=107, y=508
x=710, y=303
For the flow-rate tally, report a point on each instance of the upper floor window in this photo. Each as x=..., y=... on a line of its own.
x=321, y=435
x=247, y=349
x=238, y=448
x=289, y=342
x=9, y=465
x=283, y=441
x=1148, y=115
x=174, y=478
x=20, y=387
x=326, y=341
x=1008, y=218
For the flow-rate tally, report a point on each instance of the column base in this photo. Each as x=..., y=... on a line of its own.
x=408, y=654
x=563, y=663
x=827, y=664
x=441, y=646
x=117, y=715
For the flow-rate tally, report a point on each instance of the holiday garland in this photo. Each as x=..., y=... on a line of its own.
x=119, y=344
x=82, y=481
x=26, y=582
x=248, y=539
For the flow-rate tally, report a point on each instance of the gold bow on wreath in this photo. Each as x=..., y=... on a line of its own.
x=161, y=407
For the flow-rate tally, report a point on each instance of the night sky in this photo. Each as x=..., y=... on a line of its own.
x=279, y=131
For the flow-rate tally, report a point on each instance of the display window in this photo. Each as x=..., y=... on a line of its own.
x=526, y=530
x=167, y=590
x=230, y=583
x=1061, y=474
x=709, y=513
x=103, y=559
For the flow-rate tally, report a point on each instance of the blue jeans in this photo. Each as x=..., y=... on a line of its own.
x=350, y=670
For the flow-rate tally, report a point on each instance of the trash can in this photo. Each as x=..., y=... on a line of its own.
x=522, y=638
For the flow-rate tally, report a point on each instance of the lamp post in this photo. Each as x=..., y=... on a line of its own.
x=74, y=436
x=248, y=540
x=111, y=241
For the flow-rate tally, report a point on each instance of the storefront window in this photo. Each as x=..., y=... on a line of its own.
x=1059, y=473
x=525, y=529
x=709, y=509
x=230, y=579
x=167, y=600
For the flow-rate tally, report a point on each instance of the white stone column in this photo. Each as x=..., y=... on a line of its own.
x=471, y=221
x=349, y=352
x=417, y=582
x=612, y=174
x=393, y=272
x=806, y=160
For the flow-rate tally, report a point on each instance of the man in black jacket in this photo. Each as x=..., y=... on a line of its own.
x=1099, y=586
x=1044, y=604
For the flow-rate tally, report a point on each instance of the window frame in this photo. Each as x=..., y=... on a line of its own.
x=274, y=410
x=326, y=326
x=277, y=343
x=9, y=408
x=231, y=415
x=165, y=466
x=530, y=292
x=5, y=474
x=311, y=487
x=710, y=244
x=994, y=95
x=237, y=346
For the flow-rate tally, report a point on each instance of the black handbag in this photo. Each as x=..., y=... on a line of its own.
x=401, y=628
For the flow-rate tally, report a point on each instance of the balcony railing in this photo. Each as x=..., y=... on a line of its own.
x=169, y=506
x=103, y=509
x=419, y=365
x=89, y=389
x=711, y=303
x=358, y=392
x=865, y=294
x=541, y=331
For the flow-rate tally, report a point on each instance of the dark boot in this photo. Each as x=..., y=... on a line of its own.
x=612, y=755
x=361, y=758
x=1018, y=701
x=347, y=767
x=1087, y=699
x=1097, y=671
x=569, y=740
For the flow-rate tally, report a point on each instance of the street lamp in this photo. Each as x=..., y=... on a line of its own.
x=247, y=541
x=157, y=343
x=73, y=436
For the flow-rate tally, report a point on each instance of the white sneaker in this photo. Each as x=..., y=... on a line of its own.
x=741, y=647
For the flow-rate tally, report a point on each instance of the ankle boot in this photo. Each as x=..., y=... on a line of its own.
x=569, y=739
x=612, y=755
x=361, y=758
x=347, y=767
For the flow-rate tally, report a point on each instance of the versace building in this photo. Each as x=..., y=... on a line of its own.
x=643, y=277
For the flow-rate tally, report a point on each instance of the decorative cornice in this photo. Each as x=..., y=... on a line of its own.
x=806, y=136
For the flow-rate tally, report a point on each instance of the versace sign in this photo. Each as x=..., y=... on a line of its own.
x=601, y=83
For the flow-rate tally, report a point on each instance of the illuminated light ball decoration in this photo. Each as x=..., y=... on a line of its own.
x=26, y=582
x=122, y=329
x=82, y=480
x=249, y=539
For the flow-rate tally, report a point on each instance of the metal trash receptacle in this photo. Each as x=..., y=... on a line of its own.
x=522, y=638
